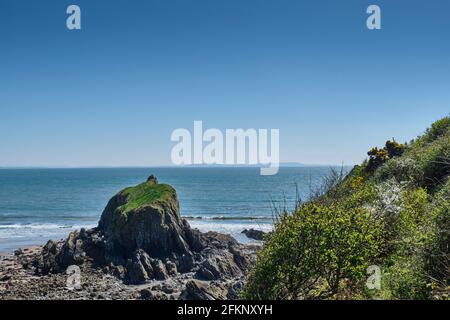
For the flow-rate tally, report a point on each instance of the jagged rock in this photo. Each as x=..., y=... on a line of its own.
x=142, y=267
x=161, y=296
x=145, y=217
x=203, y=290
x=147, y=294
x=136, y=273
x=152, y=179
x=196, y=290
x=203, y=273
x=71, y=251
x=218, y=265
x=142, y=238
x=167, y=289
x=46, y=262
x=224, y=258
x=24, y=261
x=171, y=268
x=185, y=262
x=50, y=247
x=217, y=240
x=194, y=237
x=94, y=246
x=159, y=270
x=254, y=234
x=118, y=271
x=244, y=256
x=235, y=289
x=146, y=261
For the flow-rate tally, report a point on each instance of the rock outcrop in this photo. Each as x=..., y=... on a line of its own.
x=141, y=238
x=146, y=217
x=255, y=234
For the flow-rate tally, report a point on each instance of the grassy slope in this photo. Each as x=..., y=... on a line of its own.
x=391, y=212
x=146, y=193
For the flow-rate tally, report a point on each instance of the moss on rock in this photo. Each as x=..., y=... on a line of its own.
x=146, y=217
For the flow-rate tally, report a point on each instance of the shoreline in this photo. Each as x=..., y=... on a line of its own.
x=39, y=245
x=200, y=224
x=77, y=198
x=21, y=280
x=29, y=248
x=154, y=248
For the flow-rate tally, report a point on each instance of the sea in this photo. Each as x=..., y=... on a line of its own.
x=41, y=204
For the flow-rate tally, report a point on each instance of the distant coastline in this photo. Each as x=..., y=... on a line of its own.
x=282, y=165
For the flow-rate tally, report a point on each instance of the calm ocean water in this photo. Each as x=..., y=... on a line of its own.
x=41, y=204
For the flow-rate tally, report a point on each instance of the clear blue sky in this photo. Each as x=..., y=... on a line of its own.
x=112, y=93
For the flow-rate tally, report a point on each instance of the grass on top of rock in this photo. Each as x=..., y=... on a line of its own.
x=393, y=211
x=144, y=194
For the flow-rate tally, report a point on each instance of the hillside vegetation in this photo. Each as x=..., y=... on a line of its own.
x=392, y=214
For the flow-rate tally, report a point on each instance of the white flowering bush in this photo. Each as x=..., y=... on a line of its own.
x=401, y=169
x=388, y=204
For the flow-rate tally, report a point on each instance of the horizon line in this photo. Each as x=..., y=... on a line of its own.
x=201, y=166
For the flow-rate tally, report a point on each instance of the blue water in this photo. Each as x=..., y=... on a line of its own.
x=41, y=204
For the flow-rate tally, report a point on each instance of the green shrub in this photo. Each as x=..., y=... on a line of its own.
x=435, y=162
x=392, y=211
x=443, y=191
x=419, y=268
x=414, y=216
x=394, y=149
x=404, y=276
x=317, y=252
x=377, y=157
x=404, y=279
x=438, y=129
x=437, y=252
x=402, y=169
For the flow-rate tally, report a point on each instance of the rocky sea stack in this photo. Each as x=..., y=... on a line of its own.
x=146, y=217
x=141, y=239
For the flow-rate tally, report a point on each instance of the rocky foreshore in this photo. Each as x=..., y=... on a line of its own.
x=141, y=249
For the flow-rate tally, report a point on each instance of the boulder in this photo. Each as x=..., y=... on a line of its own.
x=152, y=179
x=203, y=290
x=118, y=271
x=139, y=268
x=235, y=290
x=79, y=247
x=47, y=262
x=254, y=234
x=145, y=217
x=147, y=294
x=171, y=268
x=146, y=261
x=244, y=256
x=218, y=265
x=136, y=273
x=159, y=270
x=196, y=290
